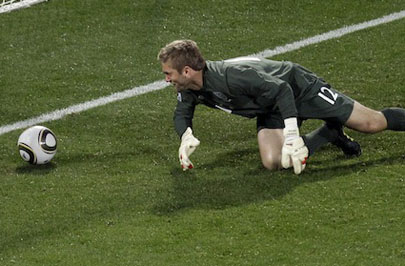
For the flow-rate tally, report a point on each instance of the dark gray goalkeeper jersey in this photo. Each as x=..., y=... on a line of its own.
x=252, y=87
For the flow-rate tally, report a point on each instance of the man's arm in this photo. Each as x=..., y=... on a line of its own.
x=183, y=116
x=184, y=112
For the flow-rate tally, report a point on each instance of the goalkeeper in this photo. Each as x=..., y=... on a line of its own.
x=281, y=95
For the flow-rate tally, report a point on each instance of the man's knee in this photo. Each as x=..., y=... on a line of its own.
x=374, y=123
x=373, y=126
x=270, y=145
x=366, y=120
x=272, y=162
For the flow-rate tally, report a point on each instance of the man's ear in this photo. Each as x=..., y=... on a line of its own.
x=187, y=70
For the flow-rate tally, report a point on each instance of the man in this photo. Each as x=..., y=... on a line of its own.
x=280, y=94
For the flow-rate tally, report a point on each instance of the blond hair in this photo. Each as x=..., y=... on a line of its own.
x=182, y=53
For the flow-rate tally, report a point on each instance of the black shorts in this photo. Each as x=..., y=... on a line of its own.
x=319, y=102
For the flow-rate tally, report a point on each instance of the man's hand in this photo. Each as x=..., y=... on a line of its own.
x=294, y=152
x=187, y=147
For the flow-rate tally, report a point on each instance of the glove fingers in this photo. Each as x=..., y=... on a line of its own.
x=299, y=163
x=186, y=163
x=184, y=153
x=285, y=161
x=184, y=159
x=286, y=153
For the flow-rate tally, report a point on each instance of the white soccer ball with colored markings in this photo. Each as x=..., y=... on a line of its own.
x=37, y=145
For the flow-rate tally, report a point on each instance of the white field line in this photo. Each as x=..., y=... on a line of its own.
x=18, y=5
x=331, y=35
x=158, y=85
x=58, y=114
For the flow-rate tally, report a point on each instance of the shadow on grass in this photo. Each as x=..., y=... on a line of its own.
x=223, y=182
x=189, y=190
x=41, y=169
x=72, y=202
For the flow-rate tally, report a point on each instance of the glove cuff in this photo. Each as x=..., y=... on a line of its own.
x=187, y=134
x=291, y=130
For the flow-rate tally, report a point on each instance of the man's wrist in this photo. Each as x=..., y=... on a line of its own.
x=291, y=130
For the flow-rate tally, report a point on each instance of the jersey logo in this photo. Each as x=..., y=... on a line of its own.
x=179, y=97
x=221, y=96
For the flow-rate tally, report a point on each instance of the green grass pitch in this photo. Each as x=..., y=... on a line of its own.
x=115, y=194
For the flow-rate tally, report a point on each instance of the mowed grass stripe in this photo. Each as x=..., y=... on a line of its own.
x=158, y=85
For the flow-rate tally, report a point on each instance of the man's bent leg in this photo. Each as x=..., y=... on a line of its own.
x=366, y=120
x=333, y=134
x=270, y=145
x=319, y=137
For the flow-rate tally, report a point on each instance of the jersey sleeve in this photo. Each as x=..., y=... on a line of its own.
x=184, y=112
x=264, y=88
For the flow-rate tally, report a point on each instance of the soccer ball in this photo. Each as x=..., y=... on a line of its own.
x=37, y=145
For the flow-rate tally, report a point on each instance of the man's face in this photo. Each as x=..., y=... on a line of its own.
x=178, y=80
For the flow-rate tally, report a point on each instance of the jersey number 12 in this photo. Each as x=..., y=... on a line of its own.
x=332, y=96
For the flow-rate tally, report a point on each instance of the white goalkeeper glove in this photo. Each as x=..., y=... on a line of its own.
x=187, y=147
x=294, y=152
